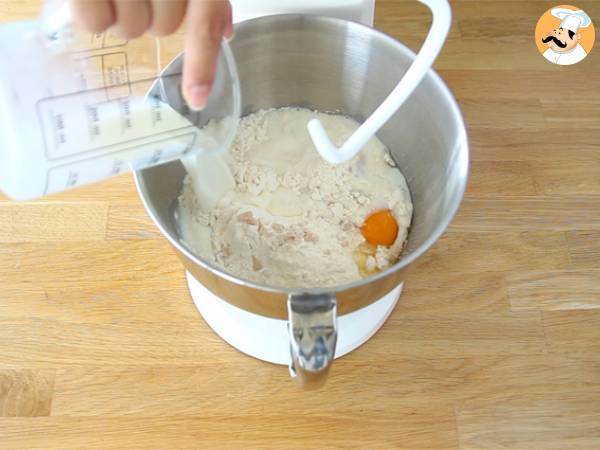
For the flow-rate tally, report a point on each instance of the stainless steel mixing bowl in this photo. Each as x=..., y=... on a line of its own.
x=331, y=65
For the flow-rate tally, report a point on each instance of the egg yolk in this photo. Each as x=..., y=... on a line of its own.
x=380, y=228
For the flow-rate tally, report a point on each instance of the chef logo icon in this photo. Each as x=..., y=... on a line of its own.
x=565, y=35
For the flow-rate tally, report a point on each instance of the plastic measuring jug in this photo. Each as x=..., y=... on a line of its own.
x=75, y=109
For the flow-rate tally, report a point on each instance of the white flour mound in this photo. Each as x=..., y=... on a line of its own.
x=289, y=218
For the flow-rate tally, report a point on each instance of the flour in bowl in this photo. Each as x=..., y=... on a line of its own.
x=287, y=218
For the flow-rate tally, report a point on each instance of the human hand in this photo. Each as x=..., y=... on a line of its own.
x=207, y=22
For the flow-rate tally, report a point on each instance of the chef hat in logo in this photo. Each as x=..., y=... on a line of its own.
x=572, y=20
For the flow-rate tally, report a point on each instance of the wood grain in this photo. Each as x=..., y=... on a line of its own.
x=534, y=214
x=37, y=343
x=502, y=178
x=483, y=252
x=464, y=293
x=60, y=263
x=531, y=422
x=554, y=290
x=557, y=112
x=121, y=301
x=500, y=113
x=43, y=222
x=573, y=333
x=494, y=344
x=26, y=393
x=535, y=145
x=524, y=84
x=410, y=430
x=455, y=336
x=130, y=221
x=583, y=178
x=137, y=391
x=584, y=248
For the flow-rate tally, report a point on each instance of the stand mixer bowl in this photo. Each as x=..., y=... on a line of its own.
x=331, y=65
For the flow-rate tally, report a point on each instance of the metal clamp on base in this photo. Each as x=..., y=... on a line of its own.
x=313, y=336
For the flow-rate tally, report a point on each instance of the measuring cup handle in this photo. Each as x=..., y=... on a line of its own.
x=442, y=18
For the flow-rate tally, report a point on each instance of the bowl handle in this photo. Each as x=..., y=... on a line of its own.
x=442, y=18
x=312, y=329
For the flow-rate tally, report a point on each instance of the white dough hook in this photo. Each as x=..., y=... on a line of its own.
x=442, y=17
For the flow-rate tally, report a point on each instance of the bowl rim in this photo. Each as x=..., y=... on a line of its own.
x=463, y=152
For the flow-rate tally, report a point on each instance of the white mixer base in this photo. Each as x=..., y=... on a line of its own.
x=267, y=339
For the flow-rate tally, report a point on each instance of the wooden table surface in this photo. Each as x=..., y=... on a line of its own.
x=495, y=343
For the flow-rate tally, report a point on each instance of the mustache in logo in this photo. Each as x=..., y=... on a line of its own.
x=556, y=41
